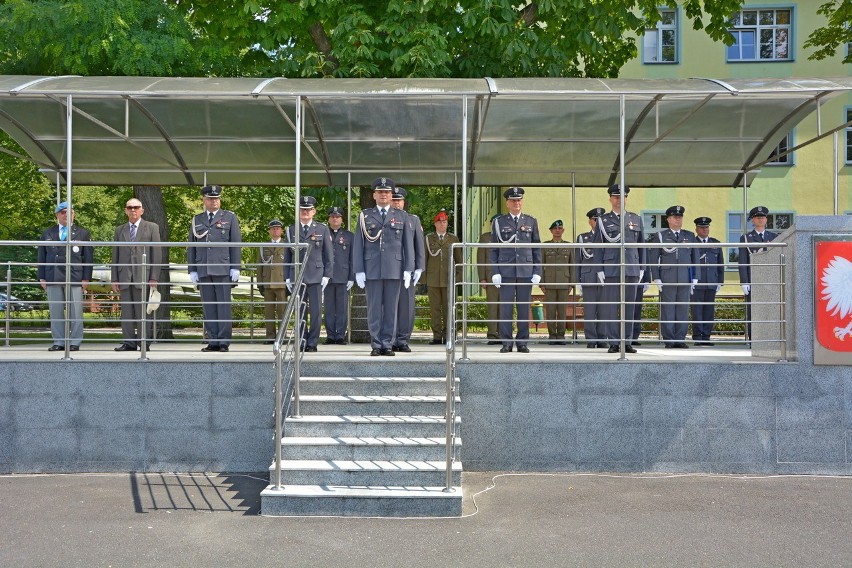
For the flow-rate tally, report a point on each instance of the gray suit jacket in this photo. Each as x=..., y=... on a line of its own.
x=671, y=264
x=320, y=253
x=383, y=251
x=127, y=260
x=214, y=261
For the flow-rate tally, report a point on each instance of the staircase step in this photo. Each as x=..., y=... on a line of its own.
x=430, y=405
x=367, y=472
x=374, y=385
x=423, y=426
x=360, y=448
x=362, y=501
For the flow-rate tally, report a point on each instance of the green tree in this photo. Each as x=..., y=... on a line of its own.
x=836, y=33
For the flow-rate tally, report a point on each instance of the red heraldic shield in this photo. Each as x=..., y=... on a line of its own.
x=834, y=295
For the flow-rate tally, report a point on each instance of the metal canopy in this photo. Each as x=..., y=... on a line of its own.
x=532, y=132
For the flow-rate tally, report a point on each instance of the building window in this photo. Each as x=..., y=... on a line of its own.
x=776, y=158
x=654, y=222
x=761, y=35
x=775, y=222
x=659, y=44
x=849, y=136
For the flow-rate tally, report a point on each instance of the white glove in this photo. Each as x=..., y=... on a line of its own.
x=324, y=282
x=416, y=278
x=497, y=279
x=349, y=284
x=579, y=289
x=289, y=285
x=746, y=289
x=406, y=278
x=536, y=278
x=601, y=277
x=361, y=279
x=718, y=288
x=194, y=277
x=645, y=288
x=235, y=274
x=692, y=288
x=641, y=274
x=659, y=283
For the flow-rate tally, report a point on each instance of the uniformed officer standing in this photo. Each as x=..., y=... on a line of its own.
x=270, y=278
x=673, y=271
x=51, y=276
x=589, y=287
x=336, y=297
x=556, y=283
x=406, y=312
x=608, y=261
x=711, y=275
x=214, y=269
x=383, y=256
x=439, y=262
x=318, y=268
x=516, y=270
x=758, y=234
x=485, y=272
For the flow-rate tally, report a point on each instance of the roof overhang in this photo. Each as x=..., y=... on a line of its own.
x=532, y=132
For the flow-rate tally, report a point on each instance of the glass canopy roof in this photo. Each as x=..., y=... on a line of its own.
x=531, y=132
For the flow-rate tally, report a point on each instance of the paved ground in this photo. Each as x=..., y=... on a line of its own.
x=143, y=520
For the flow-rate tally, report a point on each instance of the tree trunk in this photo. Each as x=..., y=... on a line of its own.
x=358, y=328
x=151, y=197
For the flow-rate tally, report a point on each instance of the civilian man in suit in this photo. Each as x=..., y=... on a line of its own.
x=406, y=312
x=439, y=261
x=127, y=278
x=758, y=234
x=516, y=270
x=318, y=268
x=51, y=276
x=270, y=278
x=485, y=272
x=589, y=287
x=383, y=256
x=215, y=269
x=673, y=271
x=711, y=274
x=336, y=297
x=610, y=274
x=557, y=283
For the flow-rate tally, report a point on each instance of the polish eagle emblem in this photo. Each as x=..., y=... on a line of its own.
x=836, y=291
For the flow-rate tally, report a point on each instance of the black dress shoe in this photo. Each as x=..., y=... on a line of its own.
x=591, y=345
x=375, y=352
x=670, y=345
x=682, y=346
x=223, y=348
x=561, y=342
x=394, y=347
x=210, y=348
x=636, y=343
x=310, y=349
x=493, y=342
x=613, y=349
x=388, y=353
x=506, y=349
x=603, y=346
x=329, y=342
x=75, y=348
x=125, y=347
x=437, y=342
x=523, y=349
x=56, y=348
x=403, y=349
x=342, y=342
x=629, y=349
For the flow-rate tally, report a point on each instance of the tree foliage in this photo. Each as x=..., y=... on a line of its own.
x=836, y=33
x=441, y=38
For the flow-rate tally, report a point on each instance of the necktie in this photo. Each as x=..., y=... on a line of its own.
x=515, y=219
x=677, y=235
x=760, y=237
x=304, y=230
x=132, y=232
x=383, y=214
x=440, y=237
x=62, y=232
x=210, y=217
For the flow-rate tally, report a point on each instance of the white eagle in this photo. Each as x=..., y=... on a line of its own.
x=837, y=289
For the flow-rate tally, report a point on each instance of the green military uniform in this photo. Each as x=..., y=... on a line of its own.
x=270, y=281
x=556, y=283
x=438, y=260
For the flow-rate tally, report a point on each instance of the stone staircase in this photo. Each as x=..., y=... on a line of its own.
x=366, y=446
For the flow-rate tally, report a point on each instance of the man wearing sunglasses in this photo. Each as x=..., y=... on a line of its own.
x=128, y=272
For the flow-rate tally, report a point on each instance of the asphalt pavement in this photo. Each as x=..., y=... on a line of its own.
x=571, y=519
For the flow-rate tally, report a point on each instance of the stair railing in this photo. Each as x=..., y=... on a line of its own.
x=451, y=389
x=288, y=359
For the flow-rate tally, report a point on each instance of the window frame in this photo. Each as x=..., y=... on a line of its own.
x=847, y=155
x=658, y=31
x=648, y=220
x=789, y=160
x=737, y=30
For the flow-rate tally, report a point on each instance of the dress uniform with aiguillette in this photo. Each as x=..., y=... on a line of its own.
x=384, y=260
x=608, y=261
x=406, y=312
x=758, y=234
x=711, y=276
x=492, y=295
x=440, y=259
x=672, y=269
x=318, y=269
x=590, y=288
x=516, y=270
x=215, y=269
x=336, y=295
x=556, y=283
